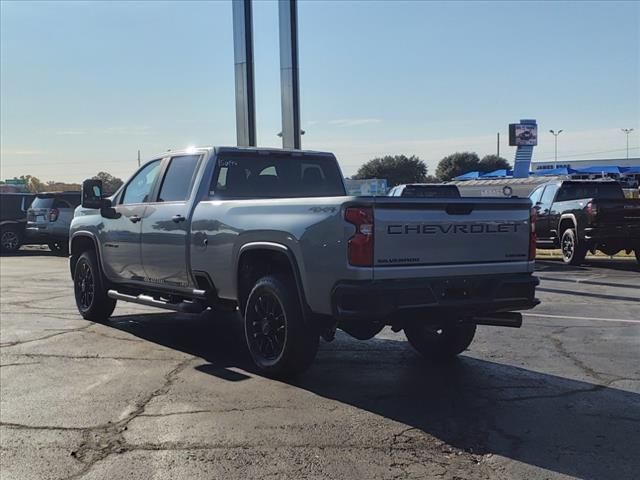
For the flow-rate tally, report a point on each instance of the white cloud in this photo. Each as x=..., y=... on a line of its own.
x=23, y=152
x=71, y=132
x=354, y=122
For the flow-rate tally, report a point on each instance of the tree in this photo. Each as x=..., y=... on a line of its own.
x=457, y=164
x=489, y=163
x=397, y=169
x=109, y=183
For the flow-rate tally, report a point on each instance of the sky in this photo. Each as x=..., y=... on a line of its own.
x=85, y=85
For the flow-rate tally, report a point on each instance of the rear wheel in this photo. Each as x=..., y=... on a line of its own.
x=439, y=342
x=279, y=340
x=90, y=290
x=637, y=252
x=59, y=247
x=10, y=239
x=573, y=253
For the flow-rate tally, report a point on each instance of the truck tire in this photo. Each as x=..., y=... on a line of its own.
x=10, y=238
x=90, y=290
x=59, y=247
x=279, y=340
x=439, y=343
x=573, y=253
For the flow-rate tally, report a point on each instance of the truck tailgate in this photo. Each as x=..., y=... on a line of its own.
x=420, y=234
x=622, y=212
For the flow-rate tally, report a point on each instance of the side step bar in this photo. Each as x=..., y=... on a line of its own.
x=183, y=307
x=500, y=319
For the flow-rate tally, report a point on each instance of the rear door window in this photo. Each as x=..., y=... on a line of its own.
x=178, y=178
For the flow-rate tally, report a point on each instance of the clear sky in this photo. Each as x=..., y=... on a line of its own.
x=84, y=85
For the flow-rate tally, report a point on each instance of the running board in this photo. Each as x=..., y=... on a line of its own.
x=500, y=319
x=183, y=307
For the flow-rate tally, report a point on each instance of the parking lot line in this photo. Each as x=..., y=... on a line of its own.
x=596, y=319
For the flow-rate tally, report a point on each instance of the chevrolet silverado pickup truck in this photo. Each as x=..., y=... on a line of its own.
x=271, y=233
x=578, y=216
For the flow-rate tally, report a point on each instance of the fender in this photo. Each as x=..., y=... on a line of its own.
x=96, y=243
x=279, y=248
x=569, y=216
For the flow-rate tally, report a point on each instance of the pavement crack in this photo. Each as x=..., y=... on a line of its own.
x=44, y=337
x=100, y=442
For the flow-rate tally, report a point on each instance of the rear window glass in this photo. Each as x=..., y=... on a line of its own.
x=429, y=191
x=276, y=177
x=42, y=202
x=589, y=190
x=177, y=181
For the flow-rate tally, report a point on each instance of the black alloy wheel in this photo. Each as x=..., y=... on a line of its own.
x=84, y=285
x=268, y=327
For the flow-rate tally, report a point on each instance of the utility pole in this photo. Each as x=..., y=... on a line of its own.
x=498, y=145
x=138, y=158
x=555, y=134
x=627, y=131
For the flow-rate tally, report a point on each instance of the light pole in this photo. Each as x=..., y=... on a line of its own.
x=627, y=131
x=555, y=135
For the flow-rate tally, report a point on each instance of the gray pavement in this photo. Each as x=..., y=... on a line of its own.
x=164, y=396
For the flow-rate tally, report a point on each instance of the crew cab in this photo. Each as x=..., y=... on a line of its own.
x=272, y=234
x=578, y=216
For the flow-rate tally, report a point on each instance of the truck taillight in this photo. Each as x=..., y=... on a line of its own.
x=360, y=247
x=533, y=216
x=592, y=209
x=53, y=214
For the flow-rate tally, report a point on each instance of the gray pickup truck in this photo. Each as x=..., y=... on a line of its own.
x=272, y=233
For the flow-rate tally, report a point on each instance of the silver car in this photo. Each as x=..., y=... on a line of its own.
x=49, y=218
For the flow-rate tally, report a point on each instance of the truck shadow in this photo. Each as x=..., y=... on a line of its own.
x=590, y=265
x=566, y=426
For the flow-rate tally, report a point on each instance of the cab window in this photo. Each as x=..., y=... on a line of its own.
x=139, y=187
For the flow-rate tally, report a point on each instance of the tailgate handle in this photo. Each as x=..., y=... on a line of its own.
x=456, y=209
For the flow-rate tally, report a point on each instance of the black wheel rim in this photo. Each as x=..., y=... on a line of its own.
x=84, y=286
x=9, y=240
x=267, y=327
x=567, y=247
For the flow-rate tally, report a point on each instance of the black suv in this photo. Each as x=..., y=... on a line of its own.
x=13, y=218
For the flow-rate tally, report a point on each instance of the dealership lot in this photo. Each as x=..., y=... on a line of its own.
x=162, y=395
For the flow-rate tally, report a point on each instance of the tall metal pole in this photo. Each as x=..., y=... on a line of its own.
x=245, y=84
x=498, y=149
x=289, y=81
x=555, y=134
x=627, y=131
x=138, y=158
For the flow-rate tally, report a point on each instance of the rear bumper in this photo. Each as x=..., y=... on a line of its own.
x=628, y=235
x=464, y=296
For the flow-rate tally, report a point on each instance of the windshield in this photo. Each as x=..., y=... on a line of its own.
x=590, y=190
x=277, y=177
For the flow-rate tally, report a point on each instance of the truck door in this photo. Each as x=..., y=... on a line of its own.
x=120, y=236
x=543, y=225
x=165, y=226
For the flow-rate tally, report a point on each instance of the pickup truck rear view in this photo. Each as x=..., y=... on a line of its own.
x=272, y=233
x=580, y=216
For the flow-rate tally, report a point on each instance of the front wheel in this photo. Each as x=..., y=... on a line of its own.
x=573, y=253
x=90, y=290
x=279, y=340
x=439, y=342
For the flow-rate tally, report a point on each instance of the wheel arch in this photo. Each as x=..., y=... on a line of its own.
x=256, y=259
x=568, y=220
x=81, y=242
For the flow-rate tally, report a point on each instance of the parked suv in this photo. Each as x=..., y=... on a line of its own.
x=49, y=218
x=13, y=217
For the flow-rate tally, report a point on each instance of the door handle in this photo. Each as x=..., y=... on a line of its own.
x=178, y=218
x=135, y=218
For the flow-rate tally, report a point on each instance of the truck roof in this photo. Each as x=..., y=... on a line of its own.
x=227, y=149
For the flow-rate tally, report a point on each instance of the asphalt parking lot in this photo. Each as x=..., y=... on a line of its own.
x=162, y=395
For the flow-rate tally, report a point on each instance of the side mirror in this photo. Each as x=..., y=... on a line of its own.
x=92, y=195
